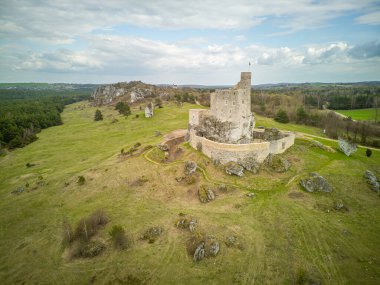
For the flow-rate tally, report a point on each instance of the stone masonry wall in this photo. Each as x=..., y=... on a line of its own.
x=224, y=153
x=234, y=105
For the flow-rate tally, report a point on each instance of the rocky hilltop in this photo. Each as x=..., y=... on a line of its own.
x=130, y=92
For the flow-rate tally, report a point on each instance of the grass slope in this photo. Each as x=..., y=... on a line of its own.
x=287, y=233
x=268, y=122
x=360, y=114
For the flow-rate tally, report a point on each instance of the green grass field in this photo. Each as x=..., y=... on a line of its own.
x=268, y=122
x=361, y=114
x=288, y=236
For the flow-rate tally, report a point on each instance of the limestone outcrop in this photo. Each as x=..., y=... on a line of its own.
x=205, y=194
x=190, y=167
x=372, y=180
x=277, y=163
x=232, y=168
x=315, y=183
x=130, y=92
x=149, y=110
x=209, y=247
x=250, y=164
x=347, y=147
x=213, y=129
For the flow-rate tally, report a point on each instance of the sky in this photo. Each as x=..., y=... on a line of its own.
x=189, y=42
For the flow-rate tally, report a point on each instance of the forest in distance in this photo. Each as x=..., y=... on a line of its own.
x=25, y=112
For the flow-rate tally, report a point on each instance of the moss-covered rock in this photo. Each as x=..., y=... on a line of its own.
x=205, y=194
x=152, y=234
x=276, y=163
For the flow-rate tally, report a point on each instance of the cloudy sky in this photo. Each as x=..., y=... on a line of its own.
x=189, y=42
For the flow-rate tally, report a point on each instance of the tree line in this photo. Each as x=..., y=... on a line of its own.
x=333, y=96
x=288, y=108
x=24, y=113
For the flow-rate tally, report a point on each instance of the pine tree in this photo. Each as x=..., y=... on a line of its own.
x=282, y=117
x=301, y=115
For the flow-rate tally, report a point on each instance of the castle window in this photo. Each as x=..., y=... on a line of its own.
x=242, y=101
x=233, y=103
x=226, y=102
x=283, y=145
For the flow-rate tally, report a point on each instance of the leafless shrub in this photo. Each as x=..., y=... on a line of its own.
x=88, y=227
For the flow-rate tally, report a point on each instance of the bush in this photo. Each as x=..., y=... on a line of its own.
x=81, y=180
x=98, y=115
x=88, y=227
x=368, y=152
x=123, y=108
x=119, y=238
x=68, y=233
x=282, y=117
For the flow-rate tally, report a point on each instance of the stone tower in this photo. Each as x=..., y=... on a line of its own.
x=234, y=106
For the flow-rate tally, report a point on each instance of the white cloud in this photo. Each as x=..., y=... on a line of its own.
x=132, y=55
x=336, y=52
x=60, y=22
x=58, y=61
x=372, y=18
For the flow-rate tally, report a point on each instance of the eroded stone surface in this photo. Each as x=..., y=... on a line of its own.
x=316, y=183
x=372, y=180
x=190, y=167
x=347, y=147
x=232, y=168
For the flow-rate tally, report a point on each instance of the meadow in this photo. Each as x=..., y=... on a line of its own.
x=287, y=236
x=360, y=114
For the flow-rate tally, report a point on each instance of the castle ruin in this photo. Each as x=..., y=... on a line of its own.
x=225, y=132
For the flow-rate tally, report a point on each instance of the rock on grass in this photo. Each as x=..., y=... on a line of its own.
x=232, y=168
x=315, y=183
x=347, y=147
x=372, y=180
x=205, y=194
x=152, y=234
x=277, y=163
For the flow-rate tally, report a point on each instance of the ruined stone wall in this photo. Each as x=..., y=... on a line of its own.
x=195, y=116
x=281, y=145
x=224, y=153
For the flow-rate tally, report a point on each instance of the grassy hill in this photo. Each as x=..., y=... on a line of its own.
x=287, y=236
x=360, y=114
